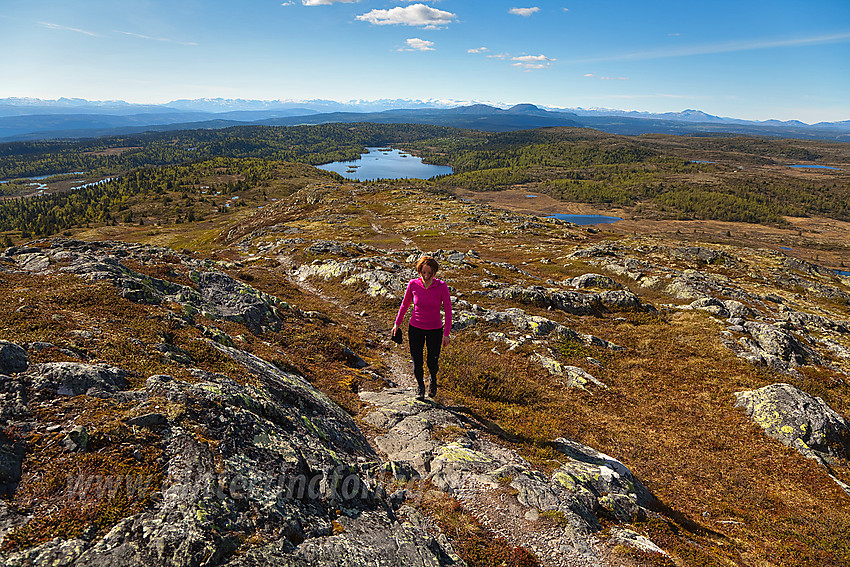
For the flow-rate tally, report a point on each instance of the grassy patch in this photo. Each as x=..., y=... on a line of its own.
x=473, y=542
x=669, y=415
x=69, y=494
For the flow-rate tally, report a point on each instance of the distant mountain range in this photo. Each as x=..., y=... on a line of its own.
x=36, y=119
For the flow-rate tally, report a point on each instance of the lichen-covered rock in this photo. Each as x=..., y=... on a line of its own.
x=589, y=485
x=534, y=326
x=712, y=305
x=694, y=284
x=811, y=321
x=11, y=462
x=592, y=280
x=13, y=358
x=772, y=341
x=215, y=294
x=13, y=398
x=701, y=255
x=574, y=377
x=371, y=538
x=327, y=247
x=381, y=276
x=276, y=460
x=808, y=268
x=223, y=297
x=74, y=378
x=33, y=261
x=629, y=538
x=799, y=420
x=571, y=301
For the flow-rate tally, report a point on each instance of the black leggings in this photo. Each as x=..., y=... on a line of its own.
x=418, y=338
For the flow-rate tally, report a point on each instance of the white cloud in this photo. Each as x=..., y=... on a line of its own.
x=477, y=50
x=499, y=56
x=413, y=15
x=323, y=2
x=529, y=58
x=48, y=25
x=287, y=3
x=592, y=76
x=524, y=11
x=530, y=62
x=416, y=44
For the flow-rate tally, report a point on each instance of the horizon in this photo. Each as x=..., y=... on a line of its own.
x=776, y=61
x=417, y=104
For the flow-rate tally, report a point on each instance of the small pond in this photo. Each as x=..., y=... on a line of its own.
x=584, y=219
x=386, y=163
x=815, y=167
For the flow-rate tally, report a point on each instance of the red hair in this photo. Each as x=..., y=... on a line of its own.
x=427, y=261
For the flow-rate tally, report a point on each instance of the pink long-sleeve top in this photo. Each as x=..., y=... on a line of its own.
x=426, y=305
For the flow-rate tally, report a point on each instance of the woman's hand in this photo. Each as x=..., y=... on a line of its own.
x=395, y=329
x=445, y=341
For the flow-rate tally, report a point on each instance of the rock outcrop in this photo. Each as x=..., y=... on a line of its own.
x=572, y=302
x=277, y=461
x=212, y=292
x=799, y=420
x=587, y=489
x=13, y=358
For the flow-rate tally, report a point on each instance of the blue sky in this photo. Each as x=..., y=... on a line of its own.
x=746, y=59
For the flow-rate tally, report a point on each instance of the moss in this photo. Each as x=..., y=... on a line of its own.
x=555, y=516
x=455, y=452
x=566, y=480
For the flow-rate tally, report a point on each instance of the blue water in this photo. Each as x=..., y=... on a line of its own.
x=93, y=183
x=40, y=177
x=784, y=248
x=700, y=161
x=815, y=167
x=842, y=273
x=584, y=219
x=392, y=164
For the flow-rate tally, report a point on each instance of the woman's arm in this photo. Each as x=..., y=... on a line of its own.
x=447, y=307
x=405, y=305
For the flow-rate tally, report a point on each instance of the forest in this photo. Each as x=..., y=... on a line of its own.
x=708, y=177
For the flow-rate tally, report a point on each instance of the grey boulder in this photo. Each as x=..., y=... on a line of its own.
x=13, y=358
x=798, y=420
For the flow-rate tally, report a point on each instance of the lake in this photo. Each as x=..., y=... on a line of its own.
x=40, y=177
x=815, y=167
x=386, y=163
x=584, y=219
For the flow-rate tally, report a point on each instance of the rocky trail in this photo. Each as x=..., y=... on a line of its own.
x=500, y=512
x=472, y=465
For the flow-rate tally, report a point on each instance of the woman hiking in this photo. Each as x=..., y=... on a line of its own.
x=428, y=295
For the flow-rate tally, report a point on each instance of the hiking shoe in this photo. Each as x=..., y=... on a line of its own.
x=432, y=389
x=420, y=392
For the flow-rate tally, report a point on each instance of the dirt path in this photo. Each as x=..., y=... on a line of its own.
x=396, y=358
